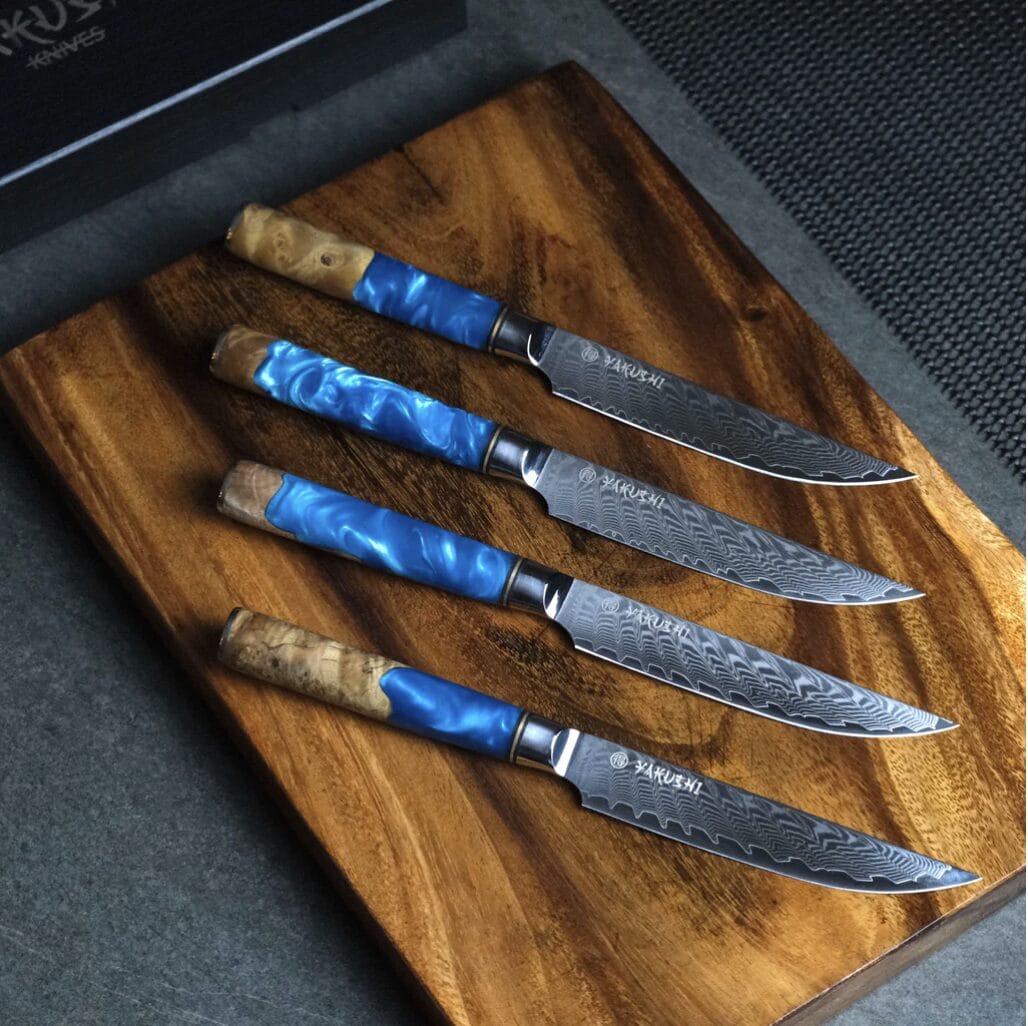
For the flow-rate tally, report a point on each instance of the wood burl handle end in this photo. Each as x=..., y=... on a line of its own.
x=298, y=251
x=288, y=655
x=238, y=355
x=246, y=491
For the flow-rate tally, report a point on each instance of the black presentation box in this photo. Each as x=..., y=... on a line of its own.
x=98, y=97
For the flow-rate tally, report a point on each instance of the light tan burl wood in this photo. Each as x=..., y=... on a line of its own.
x=245, y=493
x=504, y=901
x=292, y=657
x=238, y=355
x=283, y=244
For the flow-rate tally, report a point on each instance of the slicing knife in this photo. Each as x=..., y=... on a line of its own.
x=578, y=369
x=620, y=630
x=612, y=779
x=578, y=491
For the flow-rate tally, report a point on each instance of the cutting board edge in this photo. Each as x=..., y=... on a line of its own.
x=915, y=949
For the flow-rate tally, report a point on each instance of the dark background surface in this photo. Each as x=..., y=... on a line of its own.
x=146, y=876
x=894, y=134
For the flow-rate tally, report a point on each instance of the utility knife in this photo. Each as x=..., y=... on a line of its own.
x=578, y=369
x=582, y=493
x=615, y=628
x=612, y=779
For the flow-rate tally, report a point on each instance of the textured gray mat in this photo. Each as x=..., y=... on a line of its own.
x=894, y=134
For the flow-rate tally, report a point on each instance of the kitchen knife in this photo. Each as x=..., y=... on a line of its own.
x=576, y=490
x=614, y=780
x=603, y=623
x=578, y=369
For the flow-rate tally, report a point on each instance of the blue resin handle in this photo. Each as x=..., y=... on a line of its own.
x=292, y=657
x=378, y=537
x=375, y=406
x=332, y=264
x=415, y=297
x=439, y=709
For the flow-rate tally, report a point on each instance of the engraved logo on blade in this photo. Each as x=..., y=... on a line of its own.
x=631, y=490
x=663, y=775
x=610, y=604
x=590, y=354
x=667, y=777
x=633, y=371
x=656, y=621
x=587, y=475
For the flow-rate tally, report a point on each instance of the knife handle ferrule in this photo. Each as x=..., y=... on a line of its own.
x=514, y=455
x=374, y=406
x=536, y=742
x=288, y=655
x=537, y=588
x=373, y=535
x=518, y=336
x=333, y=265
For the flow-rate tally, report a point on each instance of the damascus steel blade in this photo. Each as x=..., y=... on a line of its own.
x=695, y=536
x=680, y=410
x=697, y=659
x=724, y=820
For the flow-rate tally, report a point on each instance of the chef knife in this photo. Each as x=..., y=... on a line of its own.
x=612, y=779
x=578, y=369
x=576, y=490
x=602, y=623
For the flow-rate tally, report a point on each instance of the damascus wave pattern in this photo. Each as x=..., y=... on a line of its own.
x=682, y=411
x=724, y=820
x=695, y=536
x=697, y=659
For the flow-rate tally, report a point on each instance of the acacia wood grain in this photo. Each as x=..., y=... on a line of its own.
x=503, y=900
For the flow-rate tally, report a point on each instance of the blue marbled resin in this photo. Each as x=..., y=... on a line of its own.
x=440, y=709
x=405, y=293
x=375, y=406
x=388, y=540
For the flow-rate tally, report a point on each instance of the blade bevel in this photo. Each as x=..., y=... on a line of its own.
x=695, y=536
x=704, y=813
x=686, y=655
x=682, y=411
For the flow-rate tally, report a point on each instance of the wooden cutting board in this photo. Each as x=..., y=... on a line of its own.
x=504, y=902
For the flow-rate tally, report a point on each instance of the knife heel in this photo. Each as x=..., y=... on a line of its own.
x=299, y=660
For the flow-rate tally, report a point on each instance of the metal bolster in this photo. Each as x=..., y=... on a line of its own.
x=518, y=336
x=535, y=742
x=512, y=455
x=536, y=588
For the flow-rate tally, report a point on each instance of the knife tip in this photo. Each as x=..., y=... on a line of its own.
x=955, y=877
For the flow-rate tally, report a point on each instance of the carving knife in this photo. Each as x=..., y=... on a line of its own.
x=576, y=490
x=578, y=369
x=616, y=781
x=602, y=623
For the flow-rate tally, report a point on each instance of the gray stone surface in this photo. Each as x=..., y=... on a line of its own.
x=146, y=877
